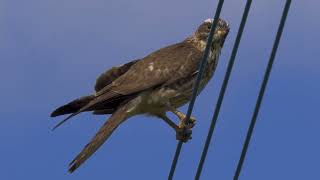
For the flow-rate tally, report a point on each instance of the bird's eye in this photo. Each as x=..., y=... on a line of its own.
x=209, y=27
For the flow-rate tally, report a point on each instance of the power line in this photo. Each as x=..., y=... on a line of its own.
x=223, y=89
x=262, y=90
x=197, y=84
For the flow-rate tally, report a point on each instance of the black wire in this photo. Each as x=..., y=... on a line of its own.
x=223, y=88
x=197, y=84
x=262, y=90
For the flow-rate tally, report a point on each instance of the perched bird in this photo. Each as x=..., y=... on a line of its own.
x=158, y=83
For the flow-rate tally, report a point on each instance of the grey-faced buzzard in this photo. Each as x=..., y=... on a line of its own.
x=160, y=82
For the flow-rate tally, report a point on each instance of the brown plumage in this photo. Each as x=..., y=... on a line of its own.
x=155, y=84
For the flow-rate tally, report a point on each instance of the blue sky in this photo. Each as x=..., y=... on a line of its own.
x=52, y=51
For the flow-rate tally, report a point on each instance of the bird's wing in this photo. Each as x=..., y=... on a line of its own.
x=161, y=67
x=167, y=64
x=103, y=134
x=112, y=74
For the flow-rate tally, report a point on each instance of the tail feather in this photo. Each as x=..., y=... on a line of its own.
x=103, y=134
x=73, y=106
x=96, y=100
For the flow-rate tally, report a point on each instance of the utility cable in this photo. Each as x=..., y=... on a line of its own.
x=262, y=90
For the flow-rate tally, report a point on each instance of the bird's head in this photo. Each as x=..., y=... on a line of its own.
x=220, y=34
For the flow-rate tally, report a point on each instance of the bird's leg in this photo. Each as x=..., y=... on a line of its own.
x=182, y=117
x=182, y=134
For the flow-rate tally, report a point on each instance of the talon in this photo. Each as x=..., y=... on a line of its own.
x=183, y=134
x=189, y=125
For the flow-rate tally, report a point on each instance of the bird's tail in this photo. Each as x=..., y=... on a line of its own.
x=73, y=106
x=118, y=117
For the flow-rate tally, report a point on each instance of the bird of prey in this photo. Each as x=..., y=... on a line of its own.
x=159, y=83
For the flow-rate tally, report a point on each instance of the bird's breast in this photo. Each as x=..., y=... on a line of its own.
x=184, y=87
